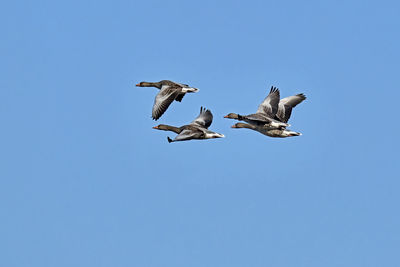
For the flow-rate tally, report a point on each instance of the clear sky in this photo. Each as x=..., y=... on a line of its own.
x=86, y=181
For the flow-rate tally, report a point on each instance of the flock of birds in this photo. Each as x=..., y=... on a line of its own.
x=270, y=118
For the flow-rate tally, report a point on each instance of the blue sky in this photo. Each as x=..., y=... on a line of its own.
x=86, y=181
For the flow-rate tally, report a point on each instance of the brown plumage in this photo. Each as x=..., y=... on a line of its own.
x=265, y=130
x=169, y=91
x=197, y=129
x=265, y=114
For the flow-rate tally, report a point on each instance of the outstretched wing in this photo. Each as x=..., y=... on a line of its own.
x=287, y=104
x=204, y=119
x=163, y=99
x=270, y=104
x=175, y=84
x=188, y=134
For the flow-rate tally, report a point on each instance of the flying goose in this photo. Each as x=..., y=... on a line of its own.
x=266, y=112
x=267, y=130
x=169, y=91
x=197, y=129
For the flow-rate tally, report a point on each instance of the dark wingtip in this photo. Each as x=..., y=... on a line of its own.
x=203, y=110
x=169, y=139
x=155, y=117
x=274, y=89
x=303, y=96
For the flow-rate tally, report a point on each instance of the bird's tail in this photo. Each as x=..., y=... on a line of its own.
x=291, y=133
x=190, y=90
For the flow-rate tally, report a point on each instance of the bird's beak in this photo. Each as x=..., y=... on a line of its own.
x=155, y=127
x=226, y=116
x=138, y=84
x=233, y=126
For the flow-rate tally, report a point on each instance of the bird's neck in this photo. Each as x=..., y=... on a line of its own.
x=245, y=125
x=170, y=128
x=150, y=84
